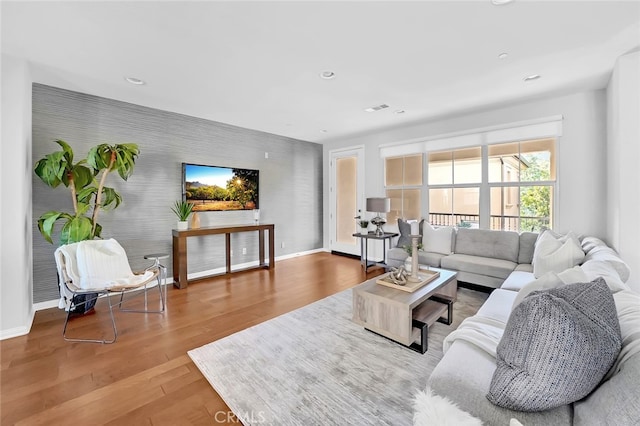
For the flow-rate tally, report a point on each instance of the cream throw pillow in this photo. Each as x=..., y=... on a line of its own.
x=554, y=253
x=437, y=240
x=551, y=280
x=102, y=263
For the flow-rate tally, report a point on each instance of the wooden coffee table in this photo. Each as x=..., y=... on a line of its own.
x=405, y=317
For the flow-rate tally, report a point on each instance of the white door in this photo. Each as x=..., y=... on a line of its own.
x=346, y=198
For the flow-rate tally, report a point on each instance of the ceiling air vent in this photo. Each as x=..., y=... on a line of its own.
x=377, y=108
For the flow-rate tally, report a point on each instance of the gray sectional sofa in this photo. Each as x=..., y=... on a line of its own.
x=481, y=257
x=503, y=260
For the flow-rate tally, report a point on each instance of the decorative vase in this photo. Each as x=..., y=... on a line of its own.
x=195, y=220
x=183, y=225
x=364, y=230
x=407, y=264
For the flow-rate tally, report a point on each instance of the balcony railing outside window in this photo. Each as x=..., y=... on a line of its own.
x=504, y=223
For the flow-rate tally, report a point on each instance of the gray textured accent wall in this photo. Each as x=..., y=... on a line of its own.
x=290, y=180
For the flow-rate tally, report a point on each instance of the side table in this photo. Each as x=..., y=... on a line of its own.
x=162, y=277
x=364, y=248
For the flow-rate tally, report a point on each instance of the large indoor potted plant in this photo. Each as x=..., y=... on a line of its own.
x=89, y=194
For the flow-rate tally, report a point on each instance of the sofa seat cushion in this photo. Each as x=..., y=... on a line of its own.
x=557, y=347
x=517, y=279
x=489, y=266
x=498, y=305
x=398, y=254
x=614, y=402
x=429, y=258
x=464, y=375
x=495, y=244
x=524, y=267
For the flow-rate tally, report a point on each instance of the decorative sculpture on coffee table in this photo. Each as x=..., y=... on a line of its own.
x=398, y=276
x=415, y=236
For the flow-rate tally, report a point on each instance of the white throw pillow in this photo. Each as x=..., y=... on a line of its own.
x=437, y=240
x=102, y=263
x=546, y=282
x=430, y=409
x=553, y=254
x=574, y=275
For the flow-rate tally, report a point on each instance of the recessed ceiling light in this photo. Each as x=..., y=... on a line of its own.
x=135, y=81
x=532, y=77
x=503, y=55
x=327, y=75
x=324, y=130
x=400, y=111
x=501, y=2
x=376, y=108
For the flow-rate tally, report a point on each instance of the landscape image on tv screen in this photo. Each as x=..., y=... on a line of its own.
x=213, y=188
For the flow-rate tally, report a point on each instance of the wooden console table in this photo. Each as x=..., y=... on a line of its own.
x=180, y=247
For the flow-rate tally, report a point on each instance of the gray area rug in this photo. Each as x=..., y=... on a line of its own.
x=314, y=366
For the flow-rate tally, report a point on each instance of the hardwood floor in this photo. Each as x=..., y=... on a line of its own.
x=146, y=377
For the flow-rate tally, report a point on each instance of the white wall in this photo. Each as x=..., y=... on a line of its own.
x=16, y=280
x=623, y=159
x=581, y=154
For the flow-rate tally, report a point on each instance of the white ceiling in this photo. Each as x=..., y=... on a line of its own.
x=257, y=64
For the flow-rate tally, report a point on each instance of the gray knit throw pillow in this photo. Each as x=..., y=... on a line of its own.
x=556, y=348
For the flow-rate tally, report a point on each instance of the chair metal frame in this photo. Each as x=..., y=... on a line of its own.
x=159, y=273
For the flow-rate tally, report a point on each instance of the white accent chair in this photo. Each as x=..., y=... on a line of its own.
x=97, y=268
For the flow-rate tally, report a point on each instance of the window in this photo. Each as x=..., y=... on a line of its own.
x=518, y=190
x=522, y=182
x=403, y=183
x=454, y=179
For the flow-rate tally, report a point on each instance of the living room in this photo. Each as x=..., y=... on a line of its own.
x=597, y=151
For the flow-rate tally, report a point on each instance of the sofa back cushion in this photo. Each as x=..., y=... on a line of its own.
x=481, y=242
x=527, y=245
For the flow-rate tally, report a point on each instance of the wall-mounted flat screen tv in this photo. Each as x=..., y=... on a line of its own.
x=214, y=188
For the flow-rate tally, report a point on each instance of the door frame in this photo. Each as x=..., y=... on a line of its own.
x=359, y=152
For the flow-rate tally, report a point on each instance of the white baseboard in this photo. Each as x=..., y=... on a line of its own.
x=19, y=331
x=40, y=306
x=54, y=303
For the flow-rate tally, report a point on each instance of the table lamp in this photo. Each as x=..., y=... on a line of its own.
x=379, y=206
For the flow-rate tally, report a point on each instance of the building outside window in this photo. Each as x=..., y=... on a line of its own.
x=454, y=179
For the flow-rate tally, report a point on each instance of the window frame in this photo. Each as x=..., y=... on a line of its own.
x=403, y=187
x=485, y=216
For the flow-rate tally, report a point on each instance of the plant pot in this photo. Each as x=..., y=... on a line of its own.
x=183, y=225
